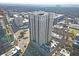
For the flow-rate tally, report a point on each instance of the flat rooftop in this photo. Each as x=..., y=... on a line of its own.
x=76, y=26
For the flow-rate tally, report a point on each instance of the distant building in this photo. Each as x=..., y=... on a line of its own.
x=18, y=21
x=2, y=25
x=58, y=18
x=75, y=46
x=2, y=21
x=10, y=13
x=41, y=24
x=2, y=17
x=1, y=12
x=73, y=20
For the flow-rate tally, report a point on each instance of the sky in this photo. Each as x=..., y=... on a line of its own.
x=40, y=1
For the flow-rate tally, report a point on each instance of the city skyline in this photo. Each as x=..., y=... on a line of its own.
x=39, y=28
x=41, y=2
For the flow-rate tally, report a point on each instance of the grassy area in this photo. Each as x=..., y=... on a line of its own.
x=7, y=38
x=73, y=32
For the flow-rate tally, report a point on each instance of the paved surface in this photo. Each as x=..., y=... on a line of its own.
x=23, y=42
x=32, y=50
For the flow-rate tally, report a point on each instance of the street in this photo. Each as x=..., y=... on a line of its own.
x=22, y=44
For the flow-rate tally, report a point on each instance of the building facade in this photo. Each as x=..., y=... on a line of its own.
x=41, y=24
x=75, y=46
x=2, y=25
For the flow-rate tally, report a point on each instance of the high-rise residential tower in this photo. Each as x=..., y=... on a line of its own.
x=41, y=24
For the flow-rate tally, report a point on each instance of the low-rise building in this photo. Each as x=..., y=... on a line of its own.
x=64, y=52
x=58, y=18
x=75, y=46
x=49, y=47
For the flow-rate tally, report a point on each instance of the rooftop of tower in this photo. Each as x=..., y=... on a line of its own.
x=41, y=13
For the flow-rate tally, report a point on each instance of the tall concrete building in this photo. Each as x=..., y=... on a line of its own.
x=2, y=23
x=41, y=24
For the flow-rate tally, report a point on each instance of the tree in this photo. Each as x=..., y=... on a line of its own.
x=73, y=32
x=22, y=33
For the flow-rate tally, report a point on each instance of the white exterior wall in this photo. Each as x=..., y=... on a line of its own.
x=41, y=27
x=32, y=26
x=51, y=20
x=36, y=28
x=42, y=30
